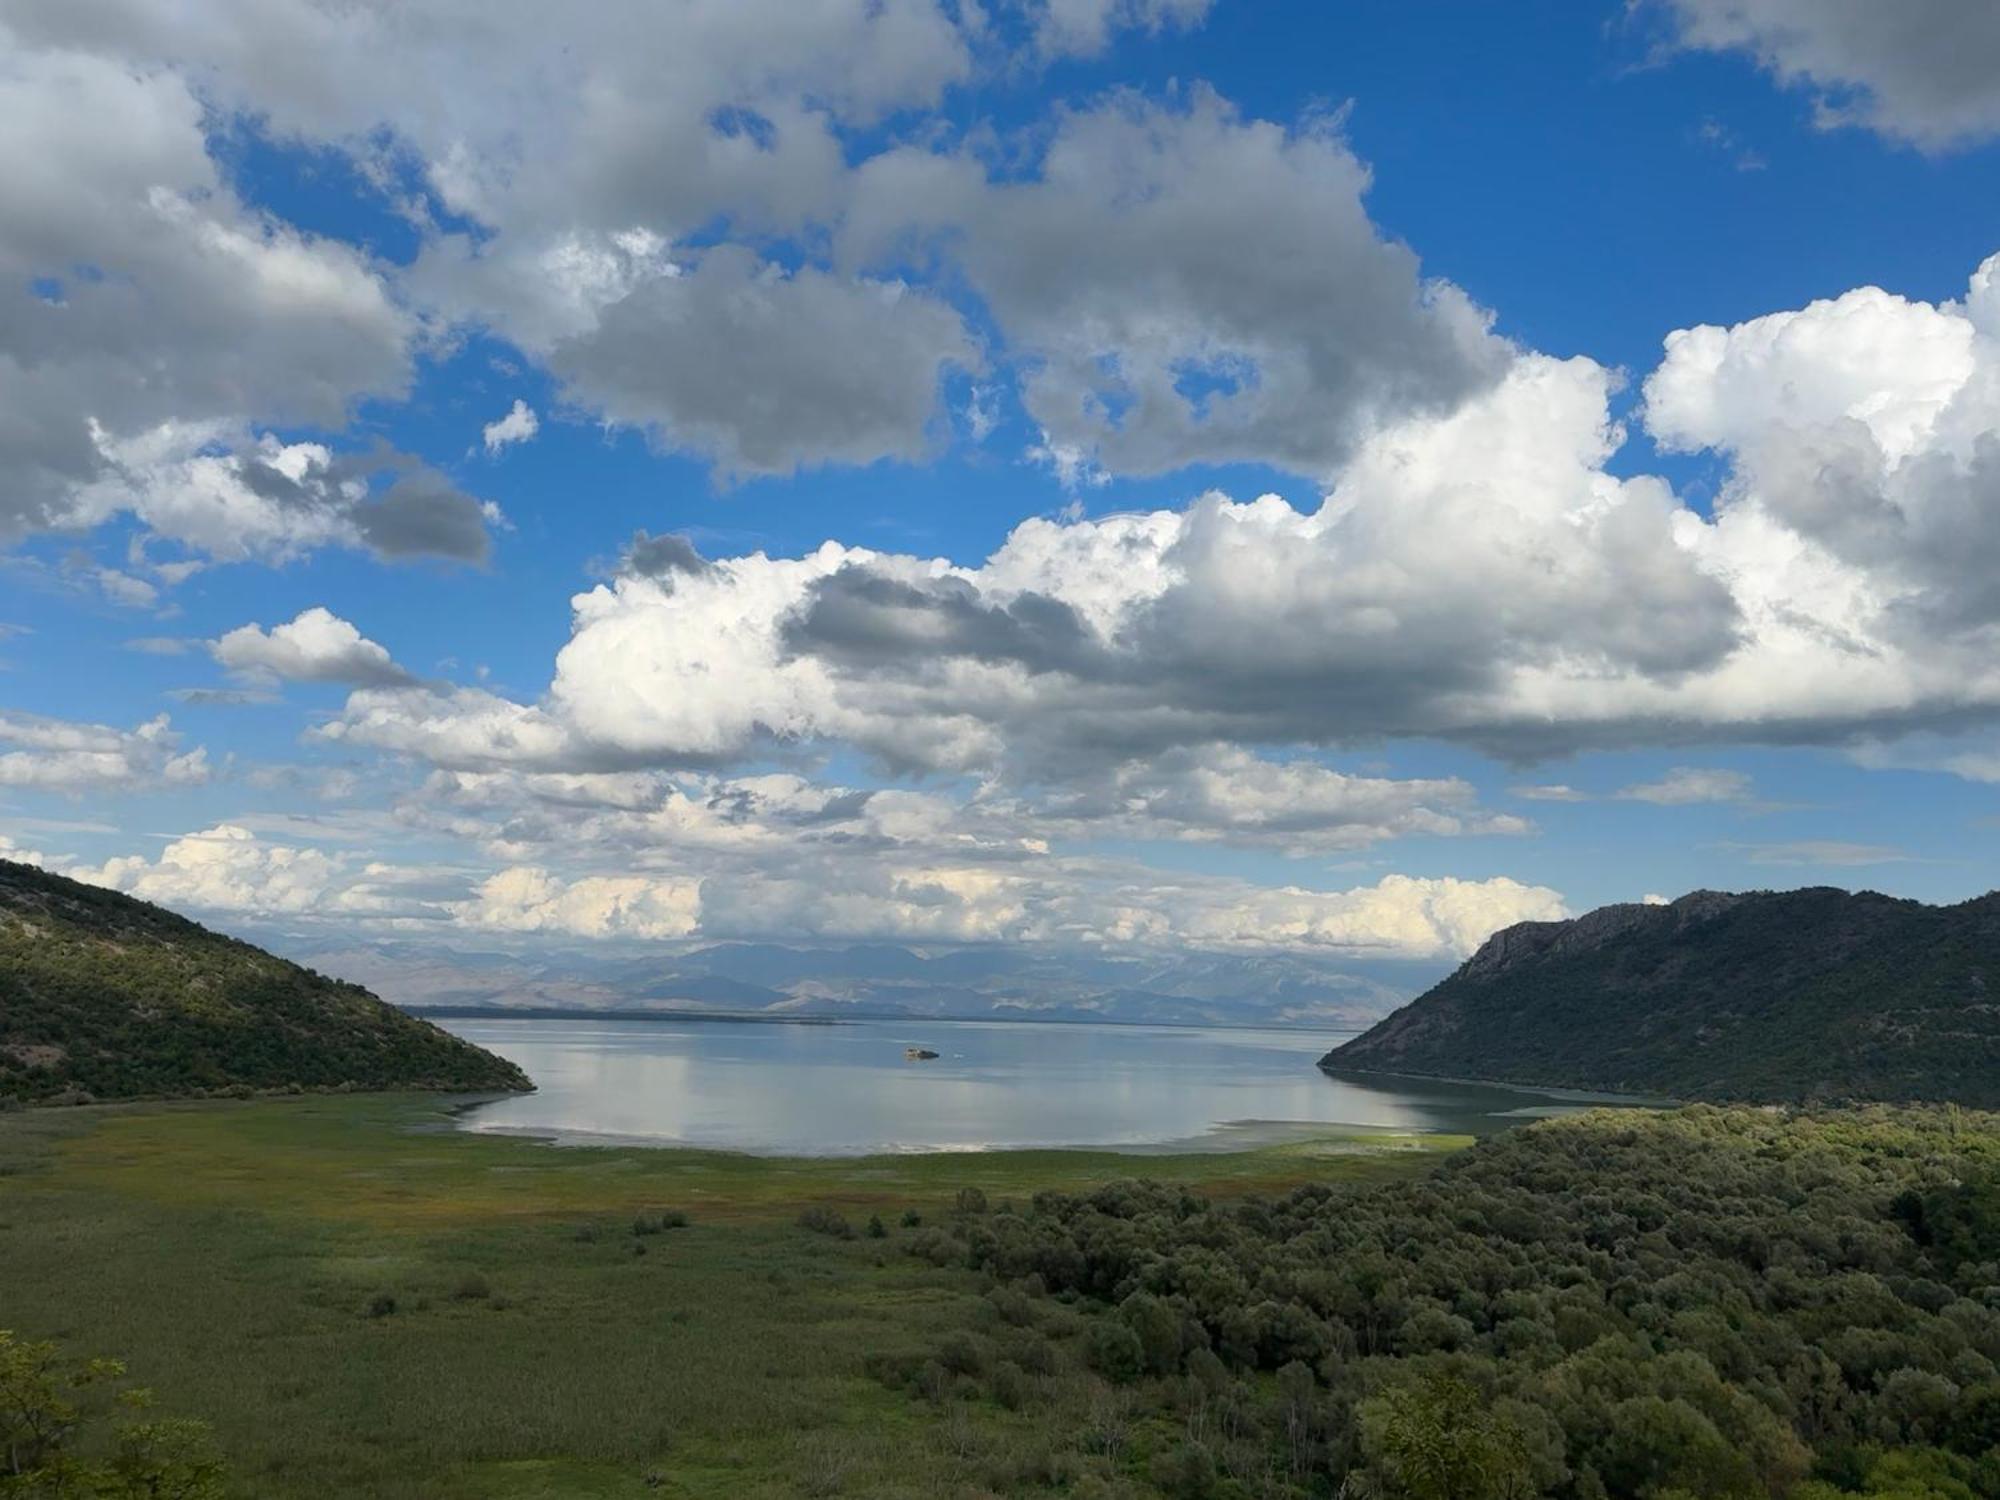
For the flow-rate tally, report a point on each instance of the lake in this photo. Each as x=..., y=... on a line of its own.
x=847, y=1088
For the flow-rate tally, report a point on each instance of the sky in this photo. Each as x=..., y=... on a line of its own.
x=1104, y=475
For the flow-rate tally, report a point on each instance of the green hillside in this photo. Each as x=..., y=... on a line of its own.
x=1772, y=996
x=104, y=995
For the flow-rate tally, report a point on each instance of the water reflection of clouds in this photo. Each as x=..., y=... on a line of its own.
x=845, y=1089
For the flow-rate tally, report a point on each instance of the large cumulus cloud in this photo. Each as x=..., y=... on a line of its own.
x=1480, y=575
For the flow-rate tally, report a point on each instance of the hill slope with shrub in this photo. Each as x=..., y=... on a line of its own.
x=1782, y=997
x=111, y=997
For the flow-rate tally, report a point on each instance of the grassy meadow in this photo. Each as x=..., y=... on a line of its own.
x=365, y=1302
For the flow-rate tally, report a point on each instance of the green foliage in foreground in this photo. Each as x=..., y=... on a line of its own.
x=1703, y=1305
x=1713, y=1304
x=102, y=996
x=236, y=1253
x=1770, y=997
x=61, y=1437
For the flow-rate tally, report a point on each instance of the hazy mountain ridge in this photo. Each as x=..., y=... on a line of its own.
x=1790, y=996
x=888, y=979
x=111, y=997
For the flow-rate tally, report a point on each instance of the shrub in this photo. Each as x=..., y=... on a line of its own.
x=933, y=1380
x=471, y=1287
x=659, y=1223
x=876, y=1229
x=971, y=1201
x=911, y=1218
x=1012, y=1307
x=1010, y=1385
x=961, y=1355
x=381, y=1305
x=1158, y=1328
x=823, y=1220
x=930, y=1245
x=1032, y=1353
x=1187, y=1473
x=1114, y=1351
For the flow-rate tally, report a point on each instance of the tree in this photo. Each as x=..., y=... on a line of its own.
x=52, y=1411
x=1436, y=1440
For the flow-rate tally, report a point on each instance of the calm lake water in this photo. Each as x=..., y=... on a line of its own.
x=847, y=1088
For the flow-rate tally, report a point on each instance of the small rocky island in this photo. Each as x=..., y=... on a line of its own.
x=918, y=1054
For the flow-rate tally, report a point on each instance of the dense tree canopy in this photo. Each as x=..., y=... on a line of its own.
x=1704, y=1303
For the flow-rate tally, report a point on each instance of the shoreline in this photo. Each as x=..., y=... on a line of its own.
x=1550, y=1090
x=901, y=1018
x=1225, y=1138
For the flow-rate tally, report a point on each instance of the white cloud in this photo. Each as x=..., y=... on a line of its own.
x=1479, y=576
x=63, y=755
x=224, y=868
x=1071, y=905
x=20, y=854
x=1820, y=853
x=1183, y=285
x=1084, y=28
x=233, y=497
x=1169, y=283
x=1228, y=795
x=1922, y=71
x=527, y=899
x=767, y=372
x=1686, y=786
x=151, y=264
x=454, y=727
x=518, y=426
x=1223, y=797
x=317, y=646
x=1457, y=560
x=231, y=869
x=1868, y=428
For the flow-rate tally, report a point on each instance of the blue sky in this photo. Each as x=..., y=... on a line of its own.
x=1588, y=616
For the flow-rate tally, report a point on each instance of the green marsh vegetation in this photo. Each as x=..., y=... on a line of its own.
x=361, y=1304
x=1708, y=1304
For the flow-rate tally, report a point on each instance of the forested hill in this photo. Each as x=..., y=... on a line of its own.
x=1770, y=996
x=104, y=995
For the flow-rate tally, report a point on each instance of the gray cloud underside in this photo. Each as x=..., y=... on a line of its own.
x=1168, y=282
x=1922, y=71
x=1478, y=576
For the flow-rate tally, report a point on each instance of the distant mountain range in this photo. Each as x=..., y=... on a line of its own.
x=1787, y=996
x=888, y=980
x=103, y=996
